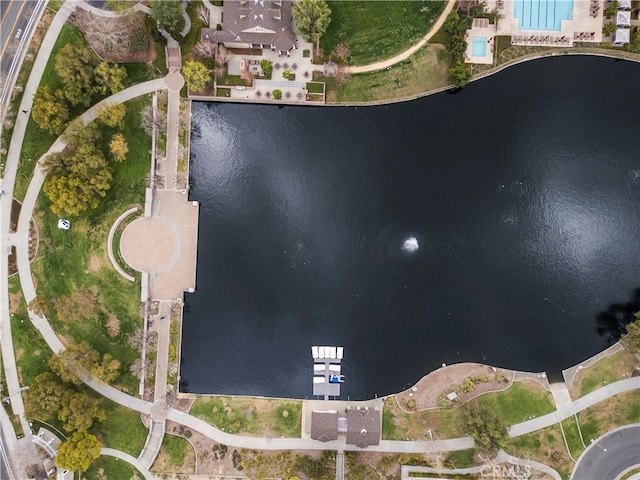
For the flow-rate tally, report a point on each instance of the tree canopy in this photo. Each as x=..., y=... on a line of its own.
x=484, y=426
x=78, y=452
x=44, y=396
x=169, y=15
x=80, y=359
x=312, y=17
x=78, y=411
x=75, y=66
x=196, y=75
x=118, y=147
x=460, y=74
x=109, y=78
x=50, y=110
x=632, y=338
x=113, y=115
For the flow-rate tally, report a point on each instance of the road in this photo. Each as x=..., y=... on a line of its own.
x=609, y=455
x=18, y=18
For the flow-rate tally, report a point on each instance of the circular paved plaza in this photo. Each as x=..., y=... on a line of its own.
x=147, y=244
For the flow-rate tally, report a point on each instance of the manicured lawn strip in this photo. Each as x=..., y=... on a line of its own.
x=250, y=416
x=573, y=437
x=616, y=411
x=122, y=429
x=520, y=402
x=461, y=458
x=399, y=425
x=421, y=72
x=110, y=467
x=378, y=30
x=32, y=352
x=176, y=448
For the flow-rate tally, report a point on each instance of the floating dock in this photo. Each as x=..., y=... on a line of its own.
x=326, y=371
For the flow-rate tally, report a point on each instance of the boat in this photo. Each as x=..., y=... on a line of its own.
x=336, y=378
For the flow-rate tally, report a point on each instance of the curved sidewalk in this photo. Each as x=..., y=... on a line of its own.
x=112, y=452
x=372, y=67
x=112, y=232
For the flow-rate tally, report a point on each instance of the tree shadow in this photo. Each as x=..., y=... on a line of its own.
x=613, y=321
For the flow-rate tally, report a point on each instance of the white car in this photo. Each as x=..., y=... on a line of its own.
x=64, y=224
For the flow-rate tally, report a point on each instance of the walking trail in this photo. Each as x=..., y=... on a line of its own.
x=372, y=67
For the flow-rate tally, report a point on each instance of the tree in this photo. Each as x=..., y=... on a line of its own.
x=204, y=49
x=113, y=115
x=138, y=366
x=341, y=52
x=611, y=9
x=484, y=426
x=277, y=94
x=267, y=67
x=75, y=67
x=107, y=370
x=609, y=28
x=456, y=47
x=109, y=78
x=223, y=55
x=203, y=14
x=118, y=147
x=459, y=75
x=454, y=24
x=169, y=15
x=38, y=305
x=196, y=75
x=78, y=452
x=312, y=17
x=78, y=411
x=50, y=110
x=44, y=396
x=632, y=338
x=74, y=363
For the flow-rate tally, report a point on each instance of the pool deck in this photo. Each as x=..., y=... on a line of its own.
x=480, y=28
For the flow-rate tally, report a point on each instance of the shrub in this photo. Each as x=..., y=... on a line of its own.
x=468, y=385
x=411, y=404
x=277, y=94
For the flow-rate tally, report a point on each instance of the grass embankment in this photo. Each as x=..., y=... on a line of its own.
x=251, y=416
x=110, y=467
x=176, y=456
x=73, y=267
x=610, y=369
x=378, y=30
x=522, y=401
x=424, y=71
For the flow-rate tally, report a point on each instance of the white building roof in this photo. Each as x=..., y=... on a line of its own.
x=622, y=36
x=623, y=18
x=624, y=4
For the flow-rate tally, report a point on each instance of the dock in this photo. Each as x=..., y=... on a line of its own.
x=327, y=376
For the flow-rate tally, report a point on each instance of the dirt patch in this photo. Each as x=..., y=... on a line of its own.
x=121, y=39
x=77, y=307
x=95, y=263
x=164, y=464
x=14, y=302
x=424, y=394
x=113, y=325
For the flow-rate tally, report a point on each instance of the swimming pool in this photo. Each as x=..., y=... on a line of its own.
x=542, y=14
x=479, y=46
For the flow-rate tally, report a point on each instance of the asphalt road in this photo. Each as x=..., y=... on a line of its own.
x=610, y=455
x=14, y=16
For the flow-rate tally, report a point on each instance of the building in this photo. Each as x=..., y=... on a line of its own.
x=324, y=425
x=622, y=36
x=623, y=18
x=363, y=426
x=255, y=24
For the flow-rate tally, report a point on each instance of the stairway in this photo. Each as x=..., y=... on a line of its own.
x=154, y=441
x=340, y=466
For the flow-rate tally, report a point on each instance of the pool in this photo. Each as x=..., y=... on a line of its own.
x=542, y=14
x=479, y=46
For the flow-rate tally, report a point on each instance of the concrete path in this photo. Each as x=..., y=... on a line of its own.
x=410, y=51
x=560, y=394
x=112, y=232
x=112, y=452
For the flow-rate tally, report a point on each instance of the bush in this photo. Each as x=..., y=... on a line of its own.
x=277, y=94
x=289, y=75
x=139, y=41
x=468, y=385
x=411, y=404
x=267, y=67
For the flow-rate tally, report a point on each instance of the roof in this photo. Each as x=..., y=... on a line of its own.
x=324, y=425
x=622, y=36
x=363, y=426
x=626, y=4
x=623, y=18
x=264, y=22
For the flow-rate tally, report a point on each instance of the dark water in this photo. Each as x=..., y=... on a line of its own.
x=523, y=192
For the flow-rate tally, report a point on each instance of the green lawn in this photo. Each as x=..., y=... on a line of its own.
x=420, y=73
x=110, y=467
x=378, y=30
x=251, y=416
x=519, y=403
x=122, y=430
x=176, y=449
x=572, y=436
x=461, y=458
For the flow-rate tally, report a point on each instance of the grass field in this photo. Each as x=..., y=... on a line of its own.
x=110, y=467
x=420, y=73
x=378, y=30
x=122, y=429
x=607, y=370
x=522, y=401
x=251, y=416
x=73, y=265
x=176, y=456
x=545, y=446
x=461, y=459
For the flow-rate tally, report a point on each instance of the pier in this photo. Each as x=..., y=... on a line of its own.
x=327, y=376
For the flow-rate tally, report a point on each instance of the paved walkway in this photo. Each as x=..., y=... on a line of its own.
x=112, y=452
x=560, y=394
x=410, y=51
